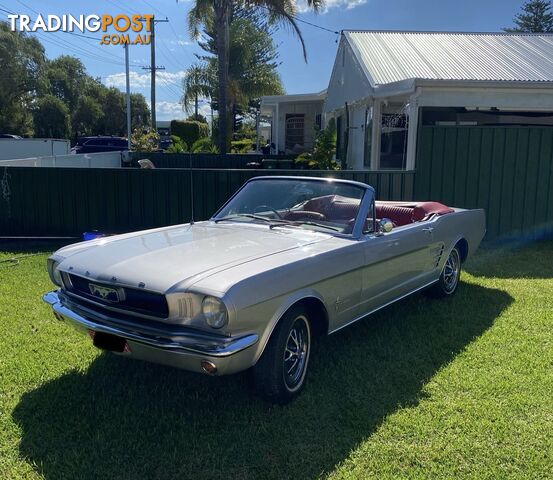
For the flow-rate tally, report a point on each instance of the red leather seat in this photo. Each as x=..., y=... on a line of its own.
x=405, y=213
x=303, y=215
x=398, y=214
x=333, y=207
x=423, y=210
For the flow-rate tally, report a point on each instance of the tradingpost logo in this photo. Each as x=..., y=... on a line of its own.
x=127, y=29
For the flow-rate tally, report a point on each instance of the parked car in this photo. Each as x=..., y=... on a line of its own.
x=285, y=260
x=10, y=136
x=100, y=144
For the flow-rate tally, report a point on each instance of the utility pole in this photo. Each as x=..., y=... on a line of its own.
x=153, y=69
x=128, y=96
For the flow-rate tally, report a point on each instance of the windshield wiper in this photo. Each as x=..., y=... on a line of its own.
x=246, y=215
x=299, y=223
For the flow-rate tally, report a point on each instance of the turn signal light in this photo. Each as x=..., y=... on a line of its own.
x=208, y=367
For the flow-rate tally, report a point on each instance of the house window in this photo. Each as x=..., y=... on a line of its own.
x=295, y=130
x=393, y=141
x=318, y=121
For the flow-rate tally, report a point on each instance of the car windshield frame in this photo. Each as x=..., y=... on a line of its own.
x=362, y=212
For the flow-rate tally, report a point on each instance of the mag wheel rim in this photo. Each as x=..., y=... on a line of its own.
x=451, y=271
x=296, y=353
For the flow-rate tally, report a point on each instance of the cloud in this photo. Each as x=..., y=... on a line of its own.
x=174, y=111
x=142, y=80
x=181, y=42
x=170, y=110
x=347, y=4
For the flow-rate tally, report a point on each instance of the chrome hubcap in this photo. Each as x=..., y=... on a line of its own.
x=296, y=352
x=451, y=271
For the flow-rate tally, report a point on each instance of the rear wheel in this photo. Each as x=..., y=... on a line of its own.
x=280, y=373
x=449, y=279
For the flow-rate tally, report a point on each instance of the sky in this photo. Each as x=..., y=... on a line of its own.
x=175, y=49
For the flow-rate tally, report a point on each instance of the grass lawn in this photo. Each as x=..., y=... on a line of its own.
x=451, y=388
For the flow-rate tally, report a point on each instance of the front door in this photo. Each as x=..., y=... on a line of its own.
x=395, y=264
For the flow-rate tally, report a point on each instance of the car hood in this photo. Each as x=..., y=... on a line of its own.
x=174, y=258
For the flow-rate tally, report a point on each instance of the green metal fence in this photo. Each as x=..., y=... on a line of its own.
x=508, y=171
x=70, y=201
x=211, y=160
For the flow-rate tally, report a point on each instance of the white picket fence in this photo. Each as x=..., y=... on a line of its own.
x=82, y=160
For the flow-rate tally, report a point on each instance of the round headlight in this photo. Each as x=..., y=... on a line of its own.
x=215, y=312
x=55, y=274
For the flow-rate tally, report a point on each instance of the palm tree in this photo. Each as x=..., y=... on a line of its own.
x=278, y=12
x=253, y=63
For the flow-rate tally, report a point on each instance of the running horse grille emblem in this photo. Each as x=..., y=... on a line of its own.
x=104, y=293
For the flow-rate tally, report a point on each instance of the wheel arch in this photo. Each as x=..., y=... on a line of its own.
x=463, y=247
x=314, y=304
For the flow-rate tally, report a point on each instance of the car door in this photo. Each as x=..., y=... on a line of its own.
x=395, y=264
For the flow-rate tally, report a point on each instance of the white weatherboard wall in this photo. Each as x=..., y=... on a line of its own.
x=83, y=160
x=11, y=148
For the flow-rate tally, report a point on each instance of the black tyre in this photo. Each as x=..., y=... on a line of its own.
x=449, y=279
x=280, y=373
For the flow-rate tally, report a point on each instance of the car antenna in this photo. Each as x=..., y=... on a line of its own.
x=191, y=189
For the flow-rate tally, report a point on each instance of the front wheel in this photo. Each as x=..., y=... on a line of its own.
x=449, y=278
x=280, y=373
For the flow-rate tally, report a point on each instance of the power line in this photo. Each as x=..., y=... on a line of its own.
x=335, y=32
x=153, y=7
x=297, y=19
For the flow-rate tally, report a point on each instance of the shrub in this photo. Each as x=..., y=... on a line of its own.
x=189, y=131
x=145, y=140
x=204, y=145
x=178, y=145
x=322, y=157
x=241, y=146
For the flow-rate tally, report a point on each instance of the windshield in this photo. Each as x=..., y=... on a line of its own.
x=320, y=205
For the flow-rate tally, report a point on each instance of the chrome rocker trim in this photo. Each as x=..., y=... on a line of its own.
x=184, y=342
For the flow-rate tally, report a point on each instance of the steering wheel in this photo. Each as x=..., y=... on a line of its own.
x=266, y=207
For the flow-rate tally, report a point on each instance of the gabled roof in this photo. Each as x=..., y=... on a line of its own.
x=392, y=56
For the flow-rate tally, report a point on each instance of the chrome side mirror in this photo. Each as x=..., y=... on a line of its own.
x=385, y=225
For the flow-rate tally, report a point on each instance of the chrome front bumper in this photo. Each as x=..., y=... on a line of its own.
x=175, y=346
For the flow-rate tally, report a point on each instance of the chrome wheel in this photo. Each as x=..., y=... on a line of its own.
x=296, y=353
x=451, y=271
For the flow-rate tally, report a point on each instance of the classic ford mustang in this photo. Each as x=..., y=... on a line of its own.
x=285, y=260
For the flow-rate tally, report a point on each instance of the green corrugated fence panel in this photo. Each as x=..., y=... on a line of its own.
x=70, y=201
x=507, y=170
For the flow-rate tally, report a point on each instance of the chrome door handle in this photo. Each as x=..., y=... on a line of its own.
x=428, y=229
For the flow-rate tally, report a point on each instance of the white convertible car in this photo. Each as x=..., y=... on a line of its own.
x=285, y=260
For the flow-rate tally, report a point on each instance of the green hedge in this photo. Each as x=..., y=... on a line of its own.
x=190, y=131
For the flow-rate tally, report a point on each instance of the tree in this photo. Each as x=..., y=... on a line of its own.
x=51, y=118
x=252, y=71
x=23, y=61
x=140, y=111
x=536, y=17
x=66, y=79
x=219, y=13
x=35, y=93
x=87, y=116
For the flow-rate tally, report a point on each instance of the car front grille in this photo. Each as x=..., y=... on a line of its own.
x=122, y=298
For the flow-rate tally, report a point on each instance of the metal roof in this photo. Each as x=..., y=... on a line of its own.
x=389, y=56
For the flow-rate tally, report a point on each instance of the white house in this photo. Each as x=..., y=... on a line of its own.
x=293, y=120
x=384, y=84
